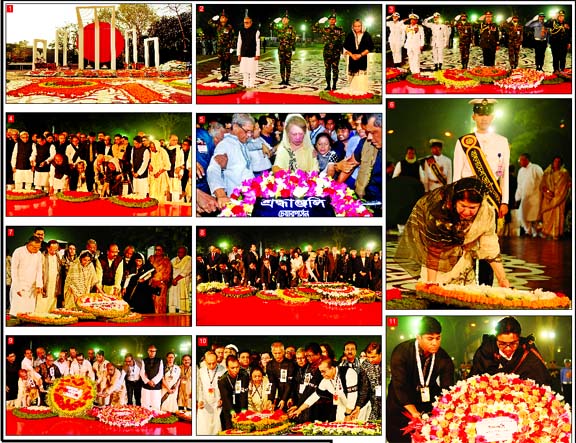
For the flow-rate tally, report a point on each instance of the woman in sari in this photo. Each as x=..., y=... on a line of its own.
x=357, y=46
x=161, y=279
x=185, y=389
x=138, y=292
x=259, y=389
x=295, y=151
x=555, y=187
x=170, y=384
x=81, y=278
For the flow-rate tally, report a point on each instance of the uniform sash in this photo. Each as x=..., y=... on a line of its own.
x=481, y=168
x=436, y=171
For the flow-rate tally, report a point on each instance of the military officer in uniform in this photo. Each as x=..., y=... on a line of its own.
x=559, y=32
x=414, y=43
x=440, y=36
x=540, y=39
x=489, y=37
x=286, y=45
x=465, y=34
x=397, y=37
x=224, y=43
x=486, y=155
x=436, y=170
x=333, y=38
x=515, y=32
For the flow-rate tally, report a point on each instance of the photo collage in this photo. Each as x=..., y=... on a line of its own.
x=130, y=316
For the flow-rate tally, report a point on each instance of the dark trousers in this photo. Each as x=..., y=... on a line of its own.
x=539, y=52
x=489, y=56
x=134, y=388
x=559, y=52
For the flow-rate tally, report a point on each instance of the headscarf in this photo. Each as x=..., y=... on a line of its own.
x=285, y=142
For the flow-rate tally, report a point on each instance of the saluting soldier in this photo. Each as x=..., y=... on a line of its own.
x=515, y=32
x=286, y=45
x=489, y=38
x=540, y=39
x=440, y=36
x=465, y=34
x=224, y=43
x=414, y=43
x=559, y=32
x=333, y=38
x=397, y=37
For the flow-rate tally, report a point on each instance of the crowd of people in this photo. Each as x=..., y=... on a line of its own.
x=152, y=382
x=43, y=276
x=229, y=151
x=286, y=268
x=420, y=369
x=99, y=163
x=357, y=44
x=306, y=382
x=484, y=33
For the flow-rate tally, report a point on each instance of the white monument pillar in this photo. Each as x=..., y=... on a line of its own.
x=113, y=41
x=44, y=50
x=127, y=46
x=96, y=41
x=156, y=51
x=80, y=39
x=134, y=47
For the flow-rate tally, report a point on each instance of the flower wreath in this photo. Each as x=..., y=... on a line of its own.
x=298, y=184
x=125, y=416
x=348, y=96
x=238, y=291
x=76, y=196
x=34, y=412
x=421, y=80
x=103, y=305
x=71, y=395
x=485, y=74
x=268, y=294
x=218, y=88
x=133, y=317
x=338, y=428
x=210, y=287
x=521, y=79
x=24, y=194
x=395, y=74
x=134, y=201
x=80, y=315
x=291, y=296
x=46, y=318
x=456, y=78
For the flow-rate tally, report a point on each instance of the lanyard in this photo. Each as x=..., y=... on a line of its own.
x=419, y=364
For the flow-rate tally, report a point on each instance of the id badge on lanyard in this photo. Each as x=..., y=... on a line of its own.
x=335, y=398
x=425, y=394
x=238, y=387
x=283, y=375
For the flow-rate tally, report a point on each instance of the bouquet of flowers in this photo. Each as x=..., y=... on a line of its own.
x=210, y=287
x=521, y=79
x=125, y=416
x=71, y=395
x=217, y=88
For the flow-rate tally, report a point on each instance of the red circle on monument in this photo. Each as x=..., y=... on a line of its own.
x=89, y=51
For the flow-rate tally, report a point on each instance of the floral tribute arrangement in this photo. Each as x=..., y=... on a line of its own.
x=521, y=410
x=49, y=319
x=34, y=412
x=25, y=194
x=184, y=415
x=291, y=296
x=211, y=287
x=80, y=315
x=125, y=416
x=218, y=88
x=267, y=294
x=133, y=317
x=71, y=395
x=489, y=297
x=521, y=79
x=134, y=201
x=486, y=74
x=238, y=291
x=338, y=295
x=76, y=196
x=103, y=305
x=395, y=74
x=337, y=428
x=422, y=79
x=396, y=300
x=350, y=96
x=456, y=78
x=259, y=423
x=299, y=184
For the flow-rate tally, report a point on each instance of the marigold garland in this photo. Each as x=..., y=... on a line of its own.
x=421, y=80
x=25, y=194
x=34, y=412
x=71, y=395
x=46, y=318
x=456, y=78
x=77, y=196
x=142, y=203
x=218, y=88
x=341, y=97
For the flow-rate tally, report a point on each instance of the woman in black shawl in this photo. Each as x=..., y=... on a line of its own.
x=357, y=46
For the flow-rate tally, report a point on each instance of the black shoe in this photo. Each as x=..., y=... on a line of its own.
x=283, y=82
x=327, y=88
x=286, y=83
x=439, y=66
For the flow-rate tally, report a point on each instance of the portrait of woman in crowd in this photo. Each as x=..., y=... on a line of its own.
x=138, y=293
x=357, y=46
x=295, y=151
x=80, y=280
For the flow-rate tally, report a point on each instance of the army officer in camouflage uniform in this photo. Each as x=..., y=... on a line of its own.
x=465, y=34
x=286, y=45
x=515, y=32
x=224, y=43
x=333, y=37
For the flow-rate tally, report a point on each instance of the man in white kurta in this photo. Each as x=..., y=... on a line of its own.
x=414, y=43
x=436, y=170
x=180, y=293
x=528, y=194
x=82, y=367
x=397, y=37
x=51, y=266
x=159, y=182
x=440, y=36
x=248, y=50
x=208, y=395
x=26, y=273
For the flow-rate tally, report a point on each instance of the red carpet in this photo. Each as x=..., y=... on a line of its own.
x=79, y=426
x=167, y=320
x=53, y=207
x=261, y=98
x=404, y=87
x=216, y=310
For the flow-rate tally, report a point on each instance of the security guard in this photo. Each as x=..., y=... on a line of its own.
x=559, y=32
x=333, y=38
x=515, y=32
x=286, y=45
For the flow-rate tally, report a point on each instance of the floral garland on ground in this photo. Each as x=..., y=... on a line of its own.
x=71, y=395
x=25, y=194
x=308, y=291
x=133, y=317
x=540, y=415
x=103, y=305
x=34, y=412
x=348, y=96
x=395, y=300
x=252, y=421
x=456, y=78
x=77, y=196
x=44, y=318
x=80, y=315
x=268, y=294
x=475, y=296
x=286, y=184
x=339, y=296
x=238, y=291
x=566, y=74
x=211, y=287
x=134, y=201
x=184, y=415
x=338, y=428
x=395, y=74
x=366, y=295
x=291, y=296
x=163, y=418
x=218, y=88
x=125, y=416
x=59, y=88
x=521, y=79
x=486, y=75
x=553, y=79
x=421, y=80
x=279, y=430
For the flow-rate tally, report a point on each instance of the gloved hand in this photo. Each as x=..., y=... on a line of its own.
x=277, y=19
x=323, y=20
x=216, y=18
x=509, y=19
x=457, y=18
x=535, y=18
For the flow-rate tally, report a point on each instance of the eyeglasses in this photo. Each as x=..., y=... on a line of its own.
x=250, y=132
x=507, y=344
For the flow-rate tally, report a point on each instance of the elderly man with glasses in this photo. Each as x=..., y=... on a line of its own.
x=507, y=351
